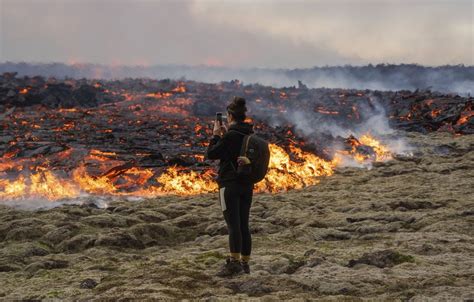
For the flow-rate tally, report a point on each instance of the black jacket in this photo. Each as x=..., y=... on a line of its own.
x=227, y=149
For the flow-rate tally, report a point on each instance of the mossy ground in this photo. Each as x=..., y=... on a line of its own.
x=420, y=207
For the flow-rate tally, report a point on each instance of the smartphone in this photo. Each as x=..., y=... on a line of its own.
x=219, y=117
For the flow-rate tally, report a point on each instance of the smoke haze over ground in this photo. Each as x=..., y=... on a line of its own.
x=458, y=79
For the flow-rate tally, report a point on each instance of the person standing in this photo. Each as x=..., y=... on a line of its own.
x=235, y=193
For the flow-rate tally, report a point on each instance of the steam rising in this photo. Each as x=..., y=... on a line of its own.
x=313, y=126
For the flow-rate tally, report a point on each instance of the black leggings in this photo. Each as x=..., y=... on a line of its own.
x=236, y=199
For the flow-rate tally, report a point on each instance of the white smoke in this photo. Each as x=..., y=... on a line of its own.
x=447, y=79
x=314, y=126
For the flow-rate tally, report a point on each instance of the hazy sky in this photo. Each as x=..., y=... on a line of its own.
x=238, y=33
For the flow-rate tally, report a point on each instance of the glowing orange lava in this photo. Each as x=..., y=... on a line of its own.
x=287, y=170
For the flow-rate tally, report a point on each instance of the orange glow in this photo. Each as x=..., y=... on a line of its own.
x=406, y=117
x=324, y=111
x=380, y=152
x=248, y=120
x=180, y=89
x=429, y=102
x=100, y=172
x=68, y=110
x=197, y=129
x=434, y=113
x=176, y=181
x=465, y=117
x=285, y=174
x=159, y=95
x=65, y=127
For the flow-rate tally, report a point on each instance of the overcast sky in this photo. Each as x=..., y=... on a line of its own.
x=238, y=33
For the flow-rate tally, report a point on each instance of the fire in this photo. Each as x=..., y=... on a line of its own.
x=166, y=94
x=68, y=110
x=382, y=152
x=93, y=185
x=465, y=117
x=13, y=189
x=48, y=185
x=44, y=184
x=177, y=182
x=159, y=95
x=292, y=169
x=435, y=112
x=180, y=89
x=364, y=149
x=100, y=155
x=10, y=154
x=285, y=174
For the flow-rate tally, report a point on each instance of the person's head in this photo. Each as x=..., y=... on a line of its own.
x=236, y=110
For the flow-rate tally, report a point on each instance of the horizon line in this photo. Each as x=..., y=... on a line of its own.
x=78, y=64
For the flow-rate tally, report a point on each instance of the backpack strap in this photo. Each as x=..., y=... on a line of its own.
x=245, y=145
x=245, y=142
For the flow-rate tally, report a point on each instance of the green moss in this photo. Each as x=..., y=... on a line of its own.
x=102, y=287
x=293, y=263
x=401, y=258
x=54, y=294
x=103, y=267
x=210, y=256
x=183, y=264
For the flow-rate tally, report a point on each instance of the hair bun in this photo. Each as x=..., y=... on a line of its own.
x=240, y=102
x=237, y=108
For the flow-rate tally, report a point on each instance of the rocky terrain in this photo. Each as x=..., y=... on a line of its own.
x=403, y=230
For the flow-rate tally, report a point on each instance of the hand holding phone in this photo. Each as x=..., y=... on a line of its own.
x=219, y=117
x=219, y=128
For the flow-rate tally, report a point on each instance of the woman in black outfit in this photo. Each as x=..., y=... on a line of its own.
x=235, y=194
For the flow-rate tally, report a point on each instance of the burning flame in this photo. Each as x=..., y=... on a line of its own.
x=285, y=174
x=363, y=150
x=465, y=117
x=180, y=89
x=159, y=95
x=382, y=153
x=435, y=112
x=43, y=184
x=287, y=170
x=187, y=183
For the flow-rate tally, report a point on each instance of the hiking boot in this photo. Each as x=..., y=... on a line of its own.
x=230, y=268
x=245, y=267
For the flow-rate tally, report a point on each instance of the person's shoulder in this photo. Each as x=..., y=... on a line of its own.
x=233, y=133
x=228, y=134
